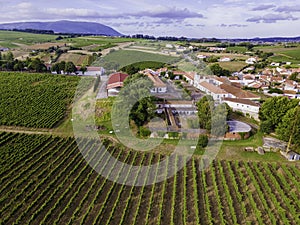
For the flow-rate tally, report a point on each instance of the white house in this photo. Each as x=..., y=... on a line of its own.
x=159, y=85
x=189, y=76
x=225, y=59
x=251, y=60
x=243, y=105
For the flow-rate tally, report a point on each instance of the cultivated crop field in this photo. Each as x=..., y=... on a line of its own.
x=35, y=100
x=45, y=180
x=77, y=59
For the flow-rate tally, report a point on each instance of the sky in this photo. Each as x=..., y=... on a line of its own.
x=189, y=18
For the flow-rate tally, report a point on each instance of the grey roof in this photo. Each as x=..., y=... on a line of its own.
x=237, y=126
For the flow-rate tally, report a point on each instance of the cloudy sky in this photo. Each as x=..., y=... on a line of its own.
x=190, y=18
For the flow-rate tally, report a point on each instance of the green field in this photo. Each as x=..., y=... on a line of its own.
x=12, y=39
x=233, y=66
x=46, y=180
x=35, y=100
x=239, y=49
x=97, y=41
x=282, y=54
x=123, y=58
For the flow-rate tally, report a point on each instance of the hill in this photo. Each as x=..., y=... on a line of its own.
x=64, y=26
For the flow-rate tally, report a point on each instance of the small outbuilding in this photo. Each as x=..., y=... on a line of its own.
x=237, y=130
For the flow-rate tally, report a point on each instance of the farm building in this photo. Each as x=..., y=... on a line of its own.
x=115, y=83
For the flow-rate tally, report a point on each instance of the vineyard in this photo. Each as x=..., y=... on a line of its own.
x=35, y=100
x=45, y=180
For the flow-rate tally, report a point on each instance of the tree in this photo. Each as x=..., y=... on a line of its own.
x=19, y=66
x=55, y=68
x=294, y=77
x=205, y=106
x=273, y=110
x=217, y=70
x=62, y=66
x=8, y=56
x=37, y=65
x=289, y=128
x=70, y=68
x=83, y=69
x=202, y=141
x=143, y=109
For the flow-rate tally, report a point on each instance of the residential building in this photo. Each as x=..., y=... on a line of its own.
x=245, y=106
x=210, y=89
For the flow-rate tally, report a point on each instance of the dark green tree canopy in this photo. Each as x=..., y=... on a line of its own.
x=273, y=110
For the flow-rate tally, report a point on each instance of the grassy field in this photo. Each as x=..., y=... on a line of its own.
x=233, y=66
x=125, y=57
x=96, y=41
x=282, y=54
x=9, y=38
x=187, y=66
x=239, y=49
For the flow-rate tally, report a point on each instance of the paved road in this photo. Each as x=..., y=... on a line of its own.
x=102, y=91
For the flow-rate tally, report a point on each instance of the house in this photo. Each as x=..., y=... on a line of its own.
x=217, y=49
x=202, y=56
x=251, y=60
x=210, y=89
x=115, y=83
x=94, y=71
x=91, y=71
x=189, y=76
x=245, y=106
x=225, y=59
x=275, y=64
x=158, y=85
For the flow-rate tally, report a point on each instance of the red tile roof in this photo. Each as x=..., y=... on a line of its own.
x=116, y=80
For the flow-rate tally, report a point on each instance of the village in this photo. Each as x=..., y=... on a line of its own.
x=242, y=92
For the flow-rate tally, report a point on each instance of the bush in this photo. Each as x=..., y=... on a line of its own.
x=144, y=132
x=202, y=141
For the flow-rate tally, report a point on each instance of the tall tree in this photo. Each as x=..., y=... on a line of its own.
x=289, y=128
x=273, y=110
x=70, y=68
x=205, y=107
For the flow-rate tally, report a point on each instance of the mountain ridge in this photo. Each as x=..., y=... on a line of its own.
x=64, y=26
